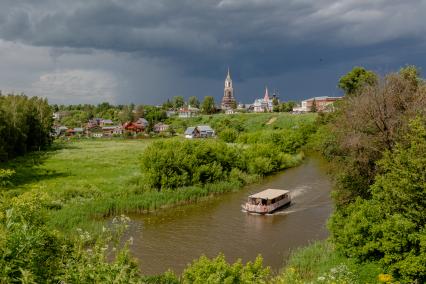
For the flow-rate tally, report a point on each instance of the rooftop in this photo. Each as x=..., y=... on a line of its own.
x=269, y=193
x=189, y=130
x=204, y=128
x=324, y=98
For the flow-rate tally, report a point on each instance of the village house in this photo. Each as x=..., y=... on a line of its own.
x=201, y=131
x=142, y=121
x=94, y=131
x=77, y=131
x=191, y=132
x=109, y=131
x=161, y=127
x=118, y=130
x=263, y=105
x=229, y=111
x=323, y=104
x=59, y=130
x=105, y=122
x=187, y=112
x=170, y=113
x=133, y=127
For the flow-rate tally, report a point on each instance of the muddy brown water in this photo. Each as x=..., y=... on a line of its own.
x=173, y=238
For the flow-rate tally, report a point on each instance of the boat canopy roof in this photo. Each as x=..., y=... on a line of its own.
x=269, y=193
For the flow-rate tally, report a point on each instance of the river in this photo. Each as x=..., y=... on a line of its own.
x=174, y=237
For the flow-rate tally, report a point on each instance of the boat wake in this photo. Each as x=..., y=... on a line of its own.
x=299, y=191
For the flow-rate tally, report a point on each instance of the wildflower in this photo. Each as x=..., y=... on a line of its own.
x=385, y=278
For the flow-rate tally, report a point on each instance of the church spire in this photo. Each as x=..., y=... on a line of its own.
x=266, y=98
x=229, y=74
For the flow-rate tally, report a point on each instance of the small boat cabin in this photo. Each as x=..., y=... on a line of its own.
x=267, y=201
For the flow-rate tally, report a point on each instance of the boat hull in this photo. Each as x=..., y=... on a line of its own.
x=265, y=209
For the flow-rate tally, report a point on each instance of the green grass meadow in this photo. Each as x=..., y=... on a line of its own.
x=86, y=180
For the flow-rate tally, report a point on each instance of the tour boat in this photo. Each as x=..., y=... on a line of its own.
x=267, y=201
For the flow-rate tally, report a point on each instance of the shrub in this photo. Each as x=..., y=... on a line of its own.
x=217, y=270
x=175, y=163
x=228, y=135
x=172, y=164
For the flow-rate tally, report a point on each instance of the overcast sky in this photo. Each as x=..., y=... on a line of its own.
x=145, y=51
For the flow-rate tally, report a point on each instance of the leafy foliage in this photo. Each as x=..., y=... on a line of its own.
x=31, y=252
x=364, y=127
x=208, y=105
x=217, y=270
x=25, y=125
x=356, y=79
x=176, y=163
x=390, y=227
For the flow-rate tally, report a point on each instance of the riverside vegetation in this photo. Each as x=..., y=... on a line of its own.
x=375, y=142
x=47, y=195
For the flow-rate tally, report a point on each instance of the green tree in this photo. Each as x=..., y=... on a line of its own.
x=287, y=106
x=314, y=107
x=194, y=102
x=208, y=105
x=139, y=112
x=178, y=102
x=354, y=80
x=126, y=114
x=390, y=226
x=411, y=74
x=167, y=105
x=275, y=105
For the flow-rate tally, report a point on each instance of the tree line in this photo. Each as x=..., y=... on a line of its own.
x=376, y=141
x=25, y=125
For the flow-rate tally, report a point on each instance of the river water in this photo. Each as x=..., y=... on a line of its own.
x=174, y=237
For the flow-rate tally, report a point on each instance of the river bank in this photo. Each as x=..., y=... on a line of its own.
x=82, y=182
x=173, y=238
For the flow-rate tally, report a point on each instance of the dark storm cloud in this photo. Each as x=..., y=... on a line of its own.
x=201, y=33
x=258, y=38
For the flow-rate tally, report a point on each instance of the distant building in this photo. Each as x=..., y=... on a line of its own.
x=77, y=131
x=201, y=131
x=323, y=104
x=170, y=113
x=228, y=100
x=106, y=122
x=133, y=127
x=161, y=127
x=263, y=105
x=59, y=130
x=191, y=132
x=187, y=112
x=142, y=121
x=109, y=131
x=205, y=131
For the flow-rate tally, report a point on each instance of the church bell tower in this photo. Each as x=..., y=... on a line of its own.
x=228, y=100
